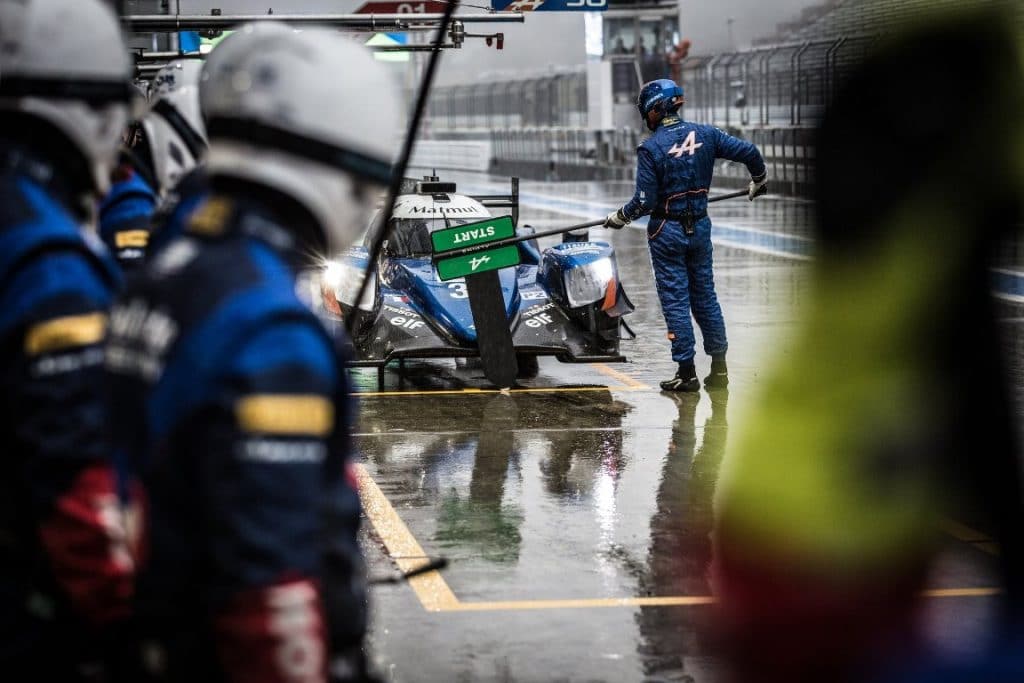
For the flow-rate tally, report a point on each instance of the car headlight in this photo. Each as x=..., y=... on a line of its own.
x=344, y=279
x=588, y=283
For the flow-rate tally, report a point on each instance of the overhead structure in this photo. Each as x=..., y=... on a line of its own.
x=148, y=62
x=373, y=23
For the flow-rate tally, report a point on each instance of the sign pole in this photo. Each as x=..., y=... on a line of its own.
x=483, y=287
x=493, y=336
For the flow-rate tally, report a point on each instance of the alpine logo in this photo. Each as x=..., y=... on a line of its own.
x=689, y=146
x=524, y=5
x=476, y=262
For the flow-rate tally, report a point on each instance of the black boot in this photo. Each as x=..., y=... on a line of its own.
x=685, y=379
x=719, y=377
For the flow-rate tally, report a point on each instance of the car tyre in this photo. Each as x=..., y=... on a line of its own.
x=529, y=366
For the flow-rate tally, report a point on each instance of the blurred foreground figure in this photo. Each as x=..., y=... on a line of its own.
x=65, y=573
x=193, y=188
x=166, y=146
x=187, y=183
x=890, y=402
x=233, y=399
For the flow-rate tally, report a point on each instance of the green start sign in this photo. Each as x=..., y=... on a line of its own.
x=472, y=234
x=480, y=262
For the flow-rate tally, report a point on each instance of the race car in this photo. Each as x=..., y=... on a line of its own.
x=566, y=302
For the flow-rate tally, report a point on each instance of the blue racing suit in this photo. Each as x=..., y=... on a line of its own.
x=674, y=170
x=125, y=216
x=171, y=218
x=234, y=414
x=65, y=563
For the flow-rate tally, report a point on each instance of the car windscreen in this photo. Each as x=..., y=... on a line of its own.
x=408, y=237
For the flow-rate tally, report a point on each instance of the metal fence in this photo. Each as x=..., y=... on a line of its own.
x=554, y=153
x=773, y=95
x=780, y=85
x=551, y=100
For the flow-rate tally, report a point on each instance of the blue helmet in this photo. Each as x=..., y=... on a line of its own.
x=662, y=95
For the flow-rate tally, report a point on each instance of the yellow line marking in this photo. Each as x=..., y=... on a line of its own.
x=961, y=592
x=479, y=392
x=621, y=376
x=666, y=601
x=586, y=603
x=436, y=596
x=430, y=588
x=964, y=533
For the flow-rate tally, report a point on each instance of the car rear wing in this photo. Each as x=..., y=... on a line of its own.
x=503, y=201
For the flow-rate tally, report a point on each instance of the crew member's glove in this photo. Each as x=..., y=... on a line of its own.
x=758, y=186
x=616, y=220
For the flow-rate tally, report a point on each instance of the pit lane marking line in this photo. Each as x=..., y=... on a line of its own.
x=982, y=592
x=431, y=588
x=584, y=603
x=436, y=596
x=666, y=601
x=527, y=390
x=621, y=376
x=471, y=432
x=962, y=532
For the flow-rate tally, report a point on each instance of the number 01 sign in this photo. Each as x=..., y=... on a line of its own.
x=403, y=7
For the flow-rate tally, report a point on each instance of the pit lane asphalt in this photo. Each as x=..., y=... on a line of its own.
x=575, y=513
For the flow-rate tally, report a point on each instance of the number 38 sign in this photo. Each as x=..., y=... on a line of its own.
x=550, y=5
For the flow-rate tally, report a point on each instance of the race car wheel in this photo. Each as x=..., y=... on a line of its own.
x=529, y=366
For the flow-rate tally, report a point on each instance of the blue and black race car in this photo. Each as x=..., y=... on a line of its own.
x=566, y=302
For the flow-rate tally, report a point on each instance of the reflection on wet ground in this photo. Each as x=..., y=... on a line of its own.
x=576, y=513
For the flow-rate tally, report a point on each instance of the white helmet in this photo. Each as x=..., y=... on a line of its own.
x=65, y=62
x=174, y=127
x=311, y=114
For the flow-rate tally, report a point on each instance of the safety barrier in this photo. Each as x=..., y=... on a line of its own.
x=586, y=154
x=552, y=100
x=547, y=153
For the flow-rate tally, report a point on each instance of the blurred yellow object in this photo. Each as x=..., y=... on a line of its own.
x=834, y=468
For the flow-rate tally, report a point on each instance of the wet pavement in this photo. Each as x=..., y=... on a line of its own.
x=575, y=512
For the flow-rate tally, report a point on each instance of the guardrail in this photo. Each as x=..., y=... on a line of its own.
x=587, y=154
